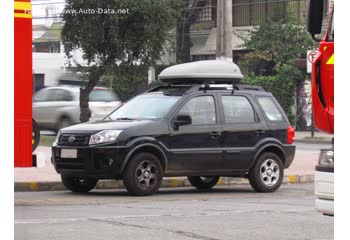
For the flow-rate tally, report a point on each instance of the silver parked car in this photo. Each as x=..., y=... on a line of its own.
x=58, y=107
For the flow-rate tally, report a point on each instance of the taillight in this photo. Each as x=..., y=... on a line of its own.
x=290, y=135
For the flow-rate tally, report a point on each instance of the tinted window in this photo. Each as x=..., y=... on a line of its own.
x=237, y=109
x=270, y=109
x=201, y=110
x=103, y=95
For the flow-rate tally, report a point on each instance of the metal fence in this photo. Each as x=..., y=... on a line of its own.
x=256, y=12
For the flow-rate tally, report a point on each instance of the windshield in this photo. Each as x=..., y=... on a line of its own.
x=152, y=106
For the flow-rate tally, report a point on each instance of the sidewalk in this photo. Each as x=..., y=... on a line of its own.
x=319, y=137
x=46, y=178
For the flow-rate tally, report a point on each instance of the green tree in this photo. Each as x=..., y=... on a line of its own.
x=126, y=81
x=134, y=36
x=270, y=64
x=274, y=44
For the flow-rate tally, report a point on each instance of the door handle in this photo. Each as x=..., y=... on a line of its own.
x=260, y=132
x=215, y=134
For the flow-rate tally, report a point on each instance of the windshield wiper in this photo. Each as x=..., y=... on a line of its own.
x=125, y=118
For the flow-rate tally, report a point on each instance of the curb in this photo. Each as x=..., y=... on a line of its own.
x=166, y=183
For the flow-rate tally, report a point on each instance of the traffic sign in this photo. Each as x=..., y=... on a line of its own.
x=311, y=55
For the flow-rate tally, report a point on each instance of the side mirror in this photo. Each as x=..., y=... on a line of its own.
x=314, y=16
x=182, y=120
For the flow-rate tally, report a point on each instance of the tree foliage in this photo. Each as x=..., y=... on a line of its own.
x=132, y=37
x=126, y=81
x=275, y=46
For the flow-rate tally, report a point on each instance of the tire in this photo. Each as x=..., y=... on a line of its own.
x=63, y=122
x=203, y=182
x=35, y=135
x=143, y=174
x=267, y=173
x=77, y=184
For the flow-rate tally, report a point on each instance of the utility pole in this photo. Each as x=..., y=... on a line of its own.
x=224, y=30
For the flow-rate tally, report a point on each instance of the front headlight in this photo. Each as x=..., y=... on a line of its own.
x=57, y=138
x=326, y=158
x=104, y=136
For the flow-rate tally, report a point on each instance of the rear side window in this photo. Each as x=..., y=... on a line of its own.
x=237, y=109
x=270, y=109
x=103, y=95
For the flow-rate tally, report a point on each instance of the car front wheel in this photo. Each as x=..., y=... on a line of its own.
x=143, y=174
x=267, y=173
x=203, y=182
x=79, y=184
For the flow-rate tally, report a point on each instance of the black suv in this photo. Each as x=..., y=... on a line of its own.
x=200, y=131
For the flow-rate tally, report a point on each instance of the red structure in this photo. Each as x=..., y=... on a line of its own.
x=23, y=83
x=323, y=81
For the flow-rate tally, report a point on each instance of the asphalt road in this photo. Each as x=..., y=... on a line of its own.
x=224, y=213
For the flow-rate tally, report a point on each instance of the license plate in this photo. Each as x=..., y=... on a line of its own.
x=69, y=153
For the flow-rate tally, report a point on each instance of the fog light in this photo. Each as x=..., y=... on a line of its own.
x=108, y=162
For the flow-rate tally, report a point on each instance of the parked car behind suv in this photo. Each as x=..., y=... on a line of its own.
x=186, y=128
x=58, y=107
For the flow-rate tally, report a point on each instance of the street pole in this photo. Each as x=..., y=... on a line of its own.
x=312, y=123
x=224, y=30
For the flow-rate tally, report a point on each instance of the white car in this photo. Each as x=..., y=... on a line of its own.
x=58, y=107
x=324, y=182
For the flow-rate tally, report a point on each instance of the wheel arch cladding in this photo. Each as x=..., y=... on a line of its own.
x=273, y=149
x=147, y=148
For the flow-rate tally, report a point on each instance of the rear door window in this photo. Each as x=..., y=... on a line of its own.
x=271, y=110
x=237, y=109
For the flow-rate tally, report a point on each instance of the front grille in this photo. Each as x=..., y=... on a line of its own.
x=73, y=140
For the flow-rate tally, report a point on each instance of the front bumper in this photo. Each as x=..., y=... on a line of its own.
x=324, y=190
x=103, y=162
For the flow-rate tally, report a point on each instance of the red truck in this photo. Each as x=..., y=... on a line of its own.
x=323, y=99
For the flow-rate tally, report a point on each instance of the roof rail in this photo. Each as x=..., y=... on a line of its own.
x=188, y=88
x=171, y=89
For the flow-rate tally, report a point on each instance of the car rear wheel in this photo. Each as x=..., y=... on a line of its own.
x=267, y=173
x=201, y=182
x=143, y=174
x=79, y=184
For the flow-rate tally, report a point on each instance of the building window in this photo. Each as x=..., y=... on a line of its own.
x=203, y=11
x=256, y=12
x=203, y=57
x=205, y=15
